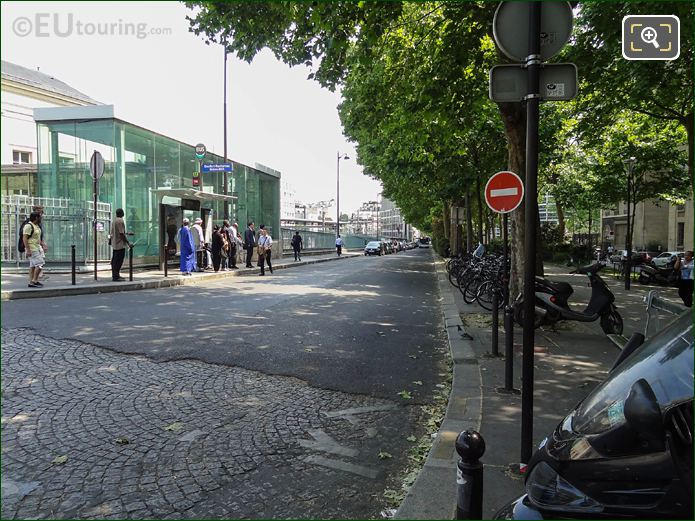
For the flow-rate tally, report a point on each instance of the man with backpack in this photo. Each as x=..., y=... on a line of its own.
x=297, y=246
x=34, y=247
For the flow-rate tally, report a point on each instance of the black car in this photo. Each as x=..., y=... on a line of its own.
x=373, y=248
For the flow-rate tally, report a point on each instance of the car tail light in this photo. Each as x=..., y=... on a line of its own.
x=553, y=299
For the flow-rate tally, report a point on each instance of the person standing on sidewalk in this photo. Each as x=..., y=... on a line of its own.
x=265, y=242
x=187, y=247
x=249, y=243
x=339, y=245
x=118, y=244
x=230, y=236
x=685, y=283
x=297, y=246
x=216, y=247
x=199, y=242
x=34, y=248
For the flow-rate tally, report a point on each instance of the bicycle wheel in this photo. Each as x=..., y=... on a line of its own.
x=486, y=293
x=453, y=277
x=470, y=291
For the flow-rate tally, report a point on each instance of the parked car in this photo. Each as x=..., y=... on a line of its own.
x=621, y=256
x=664, y=258
x=424, y=242
x=373, y=248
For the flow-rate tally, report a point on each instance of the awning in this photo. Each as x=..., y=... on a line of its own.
x=190, y=193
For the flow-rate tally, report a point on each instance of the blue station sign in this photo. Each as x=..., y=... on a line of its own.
x=223, y=167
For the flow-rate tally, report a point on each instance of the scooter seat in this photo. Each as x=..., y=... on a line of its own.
x=563, y=288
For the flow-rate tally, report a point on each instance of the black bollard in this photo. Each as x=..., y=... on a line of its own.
x=509, y=348
x=130, y=264
x=166, y=261
x=72, y=260
x=470, y=445
x=495, y=324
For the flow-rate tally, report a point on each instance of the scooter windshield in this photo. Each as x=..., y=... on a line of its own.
x=665, y=361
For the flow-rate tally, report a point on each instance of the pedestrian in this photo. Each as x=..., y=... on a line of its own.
x=118, y=242
x=297, y=246
x=199, y=242
x=34, y=247
x=685, y=283
x=230, y=236
x=249, y=243
x=216, y=246
x=339, y=245
x=265, y=243
x=187, y=247
x=20, y=244
x=239, y=245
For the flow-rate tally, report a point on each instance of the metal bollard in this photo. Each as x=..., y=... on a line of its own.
x=166, y=261
x=72, y=261
x=130, y=264
x=495, y=324
x=509, y=348
x=470, y=445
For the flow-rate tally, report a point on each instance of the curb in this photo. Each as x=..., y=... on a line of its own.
x=433, y=495
x=171, y=281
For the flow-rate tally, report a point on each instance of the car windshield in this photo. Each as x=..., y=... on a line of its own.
x=665, y=361
x=372, y=244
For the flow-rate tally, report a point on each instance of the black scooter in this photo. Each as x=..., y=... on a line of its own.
x=626, y=451
x=552, y=306
x=650, y=274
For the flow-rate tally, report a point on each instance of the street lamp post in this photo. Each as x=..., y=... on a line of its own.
x=630, y=164
x=337, y=191
x=225, y=179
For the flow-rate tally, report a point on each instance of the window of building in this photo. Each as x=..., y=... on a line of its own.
x=680, y=210
x=680, y=236
x=20, y=157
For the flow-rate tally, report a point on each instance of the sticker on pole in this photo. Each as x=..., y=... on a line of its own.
x=504, y=192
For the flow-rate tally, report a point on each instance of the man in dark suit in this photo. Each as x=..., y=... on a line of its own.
x=249, y=244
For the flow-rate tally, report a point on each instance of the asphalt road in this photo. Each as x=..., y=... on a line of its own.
x=251, y=397
x=367, y=326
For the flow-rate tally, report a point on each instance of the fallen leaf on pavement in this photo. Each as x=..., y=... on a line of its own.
x=384, y=455
x=59, y=460
x=174, y=427
x=122, y=441
x=417, y=382
x=411, y=438
x=405, y=395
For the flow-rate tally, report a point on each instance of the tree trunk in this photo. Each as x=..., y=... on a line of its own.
x=469, y=223
x=691, y=143
x=480, y=210
x=514, y=118
x=590, y=241
x=445, y=218
x=560, y=218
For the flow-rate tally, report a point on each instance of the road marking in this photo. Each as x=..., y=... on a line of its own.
x=360, y=410
x=341, y=465
x=325, y=443
x=501, y=192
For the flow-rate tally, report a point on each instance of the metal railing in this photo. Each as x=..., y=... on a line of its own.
x=322, y=240
x=65, y=222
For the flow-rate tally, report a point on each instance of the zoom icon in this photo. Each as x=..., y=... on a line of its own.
x=651, y=37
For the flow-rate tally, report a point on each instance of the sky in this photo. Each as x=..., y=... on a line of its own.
x=166, y=79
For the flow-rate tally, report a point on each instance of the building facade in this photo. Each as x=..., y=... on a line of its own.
x=391, y=223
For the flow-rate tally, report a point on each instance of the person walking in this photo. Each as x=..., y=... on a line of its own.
x=297, y=246
x=216, y=247
x=34, y=247
x=199, y=242
x=339, y=245
x=265, y=242
x=685, y=283
x=119, y=241
x=249, y=243
x=187, y=247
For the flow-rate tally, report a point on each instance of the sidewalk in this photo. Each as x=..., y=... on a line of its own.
x=14, y=285
x=569, y=362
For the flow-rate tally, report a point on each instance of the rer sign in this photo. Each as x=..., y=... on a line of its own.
x=504, y=192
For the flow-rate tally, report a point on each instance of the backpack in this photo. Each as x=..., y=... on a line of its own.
x=20, y=244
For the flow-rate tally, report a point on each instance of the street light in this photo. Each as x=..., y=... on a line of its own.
x=337, y=191
x=629, y=165
x=225, y=179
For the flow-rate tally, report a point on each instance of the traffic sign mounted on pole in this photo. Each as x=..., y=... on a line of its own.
x=510, y=28
x=200, y=151
x=504, y=192
x=96, y=165
x=558, y=82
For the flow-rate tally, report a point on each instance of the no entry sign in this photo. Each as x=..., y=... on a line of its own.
x=504, y=192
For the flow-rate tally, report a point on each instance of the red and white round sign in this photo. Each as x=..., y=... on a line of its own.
x=504, y=192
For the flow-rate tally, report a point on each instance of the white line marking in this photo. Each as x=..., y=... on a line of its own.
x=500, y=192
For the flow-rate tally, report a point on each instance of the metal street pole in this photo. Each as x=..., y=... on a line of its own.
x=337, y=195
x=628, y=235
x=505, y=259
x=533, y=62
x=225, y=179
x=94, y=226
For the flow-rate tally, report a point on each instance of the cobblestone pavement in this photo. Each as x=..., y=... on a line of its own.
x=90, y=433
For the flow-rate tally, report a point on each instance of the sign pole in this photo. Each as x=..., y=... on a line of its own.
x=225, y=180
x=533, y=61
x=505, y=258
x=95, y=189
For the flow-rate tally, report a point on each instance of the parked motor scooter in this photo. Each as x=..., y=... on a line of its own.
x=651, y=274
x=626, y=451
x=552, y=306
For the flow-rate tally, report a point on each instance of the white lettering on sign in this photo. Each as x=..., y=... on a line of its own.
x=501, y=192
